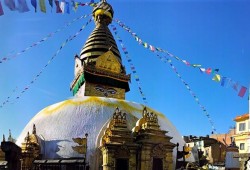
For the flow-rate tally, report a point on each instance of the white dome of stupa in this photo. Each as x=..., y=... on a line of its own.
x=57, y=124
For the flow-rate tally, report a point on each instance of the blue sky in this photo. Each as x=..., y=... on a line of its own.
x=211, y=33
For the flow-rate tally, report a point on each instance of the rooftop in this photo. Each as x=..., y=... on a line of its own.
x=242, y=117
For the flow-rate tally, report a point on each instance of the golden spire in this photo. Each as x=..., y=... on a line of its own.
x=101, y=39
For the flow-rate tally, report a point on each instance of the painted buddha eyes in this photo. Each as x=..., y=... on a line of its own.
x=100, y=89
x=105, y=91
x=111, y=91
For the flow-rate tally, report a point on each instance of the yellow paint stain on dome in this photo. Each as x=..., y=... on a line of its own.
x=75, y=102
x=113, y=103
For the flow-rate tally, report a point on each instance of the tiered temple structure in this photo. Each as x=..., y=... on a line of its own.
x=122, y=135
x=99, y=70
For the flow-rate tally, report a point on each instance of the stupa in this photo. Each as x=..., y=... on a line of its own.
x=121, y=134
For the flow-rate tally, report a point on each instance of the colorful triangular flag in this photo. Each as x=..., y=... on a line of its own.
x=42, y=5
x=67, y=8
x=58, y=9
x=242, y=91
x=1, y=9
x=34, y=4
x=62, y=6
x=22, y=6
x=216, y=78
x=10, y=4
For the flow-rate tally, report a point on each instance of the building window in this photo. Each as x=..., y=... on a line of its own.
x=242, y=146
x=242, y=126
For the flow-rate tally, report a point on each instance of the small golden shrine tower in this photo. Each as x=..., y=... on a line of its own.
x=99, y=70
x=117, y=145
x=156, y=150
x=147, y=147
x=30, y=149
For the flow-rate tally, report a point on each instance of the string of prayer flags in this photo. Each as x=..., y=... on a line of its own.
x=8, y=98
x=27, y=87
x=62, y=6
x=132, y=67
x=204, y=110
x=10, y=56
x=208, y=71
x=228, y=82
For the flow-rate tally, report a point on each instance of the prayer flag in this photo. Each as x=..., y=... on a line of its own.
x=51, y=3
x=158, y=49
x=187, y=63
x=22, y=6
x=58, y=9
x=10, y=4
x=234, y=85
x=1, y=9
x=209, y=70
x=196, y=65
x=67, y=7
x=224, y=81
x=242, y=91
x=42, y=5
x=177, y=58
x=140, y=41
x=92, y=4
x=152, y=48
x=216, y=78
x=62, y=6
x=76, y=6
x=34, y=4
